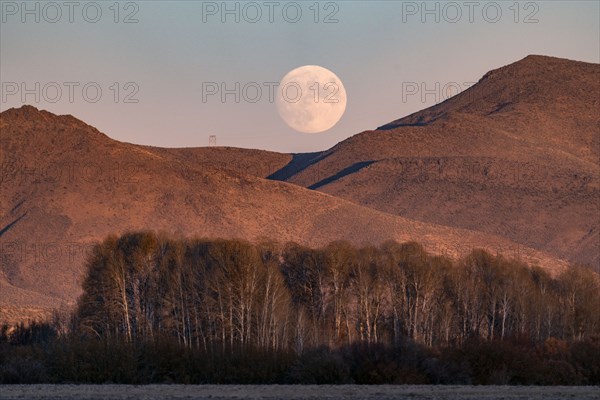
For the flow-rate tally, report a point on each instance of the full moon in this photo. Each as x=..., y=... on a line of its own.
x=311, y=99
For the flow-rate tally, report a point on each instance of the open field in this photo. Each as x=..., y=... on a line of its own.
x=288, y=392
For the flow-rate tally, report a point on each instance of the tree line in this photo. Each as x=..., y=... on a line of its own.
x=234, y=293
x=231, y=311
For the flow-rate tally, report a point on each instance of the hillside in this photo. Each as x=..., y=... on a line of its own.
x=516, y=155
x=65, y=186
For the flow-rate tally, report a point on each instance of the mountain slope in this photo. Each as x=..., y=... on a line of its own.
x=65, y=186
x=516, y=155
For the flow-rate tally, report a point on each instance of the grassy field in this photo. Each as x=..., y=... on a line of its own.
x=343, y=392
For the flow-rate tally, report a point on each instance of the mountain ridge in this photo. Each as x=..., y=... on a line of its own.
x=59, y=197
x=541, y=147
x=518, y=181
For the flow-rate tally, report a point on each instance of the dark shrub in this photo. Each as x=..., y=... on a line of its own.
x=23, y=371
x=320, y=367
x=585, y=358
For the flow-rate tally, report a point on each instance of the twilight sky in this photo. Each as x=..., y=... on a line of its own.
x=169, y=52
